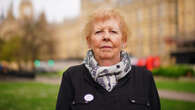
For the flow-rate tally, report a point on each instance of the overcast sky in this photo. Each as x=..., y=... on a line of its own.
x=55, y=10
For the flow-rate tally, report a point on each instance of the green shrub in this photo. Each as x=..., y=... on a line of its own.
x=174, y=71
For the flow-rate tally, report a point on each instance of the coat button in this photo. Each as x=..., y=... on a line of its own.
x=118, y=66
x=148, y=104
x=133, y=101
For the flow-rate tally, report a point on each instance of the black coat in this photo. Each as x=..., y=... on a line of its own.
x=136, y=91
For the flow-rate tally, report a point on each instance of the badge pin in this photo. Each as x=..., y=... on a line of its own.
x=88, y=97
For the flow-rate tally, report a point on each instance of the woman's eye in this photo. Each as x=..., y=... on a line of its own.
x=115, y=32
x=98, y=32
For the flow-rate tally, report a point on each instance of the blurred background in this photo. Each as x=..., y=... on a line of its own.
x=40, y=39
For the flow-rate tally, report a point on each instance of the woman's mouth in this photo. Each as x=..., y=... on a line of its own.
x=106, y=47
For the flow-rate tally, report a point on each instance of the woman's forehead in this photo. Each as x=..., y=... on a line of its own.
x=111, y=23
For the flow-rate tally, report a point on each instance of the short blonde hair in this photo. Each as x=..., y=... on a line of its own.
x=101, y=15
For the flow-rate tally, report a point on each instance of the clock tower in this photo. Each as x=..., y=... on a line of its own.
x=26, y=9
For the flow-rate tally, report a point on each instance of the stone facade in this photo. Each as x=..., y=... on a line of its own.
x=155, y=25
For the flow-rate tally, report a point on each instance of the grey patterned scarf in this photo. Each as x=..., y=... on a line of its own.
x=107, y=76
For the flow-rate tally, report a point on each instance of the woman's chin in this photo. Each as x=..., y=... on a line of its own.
x=106, y=55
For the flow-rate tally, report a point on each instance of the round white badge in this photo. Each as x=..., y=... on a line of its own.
x=88, y=97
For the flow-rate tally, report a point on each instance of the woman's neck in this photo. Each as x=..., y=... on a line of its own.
x=108, y=62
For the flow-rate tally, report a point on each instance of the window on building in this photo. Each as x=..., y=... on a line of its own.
x=150, y=13
x=139, y=15
x=161, y=29
x=162, y=9
x=122, y=2
x=139, y=32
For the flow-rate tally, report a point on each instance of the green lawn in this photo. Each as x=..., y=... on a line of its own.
x=39, y=96
x=27, y=96
x=182, y=85
x=176, y=105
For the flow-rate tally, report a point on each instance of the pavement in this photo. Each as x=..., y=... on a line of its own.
x=175, y=95
x=48, y=80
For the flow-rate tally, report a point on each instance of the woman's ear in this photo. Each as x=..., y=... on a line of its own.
x=124, y=45
x=88, y=41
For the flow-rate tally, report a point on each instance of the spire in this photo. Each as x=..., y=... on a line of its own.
x=10, y=15
x=42, y=19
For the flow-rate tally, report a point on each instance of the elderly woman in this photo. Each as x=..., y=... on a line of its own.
x=106, y=80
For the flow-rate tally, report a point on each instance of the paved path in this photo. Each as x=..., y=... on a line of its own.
x=48, y=80
x=177, y=95
x=163, y=93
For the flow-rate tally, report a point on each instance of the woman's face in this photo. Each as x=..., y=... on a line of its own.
x=106, y=40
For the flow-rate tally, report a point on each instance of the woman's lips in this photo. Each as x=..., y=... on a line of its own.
x=106, y=47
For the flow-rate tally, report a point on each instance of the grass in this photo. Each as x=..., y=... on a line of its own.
x=167, y=104
x=39, y=96
x=27, y=96
x=181, y=85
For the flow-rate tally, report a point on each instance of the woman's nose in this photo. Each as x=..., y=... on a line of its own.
x=106, y=36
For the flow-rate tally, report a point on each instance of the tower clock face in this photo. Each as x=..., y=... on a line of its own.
x=27, y=11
